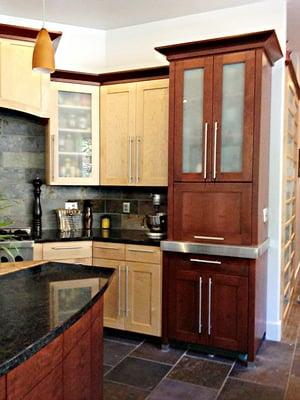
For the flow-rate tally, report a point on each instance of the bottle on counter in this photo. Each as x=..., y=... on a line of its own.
x=105, y=222
x=87, y=215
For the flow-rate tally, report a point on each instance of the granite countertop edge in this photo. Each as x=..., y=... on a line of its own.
x=32, y=349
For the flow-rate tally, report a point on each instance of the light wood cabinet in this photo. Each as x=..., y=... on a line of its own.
x=134, y=131
x=133, y=300
x=68, y=252
x=73, y=135
x=21, y=88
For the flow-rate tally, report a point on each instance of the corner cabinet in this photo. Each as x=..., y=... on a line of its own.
x=21, y=88
x=73, y=135
x=134, y=133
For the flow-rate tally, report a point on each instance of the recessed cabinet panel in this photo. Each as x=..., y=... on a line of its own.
x=213, y=213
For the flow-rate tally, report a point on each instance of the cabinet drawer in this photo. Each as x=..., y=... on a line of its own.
x=83, y=261
x=146, y=254
x=213, y=213
x=112, y=251
x=216, y=264
x=67, y=250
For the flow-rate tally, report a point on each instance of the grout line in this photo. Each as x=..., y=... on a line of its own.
x=151, y=360
x=256, y=383
x=212, y=360
x=171, y=369
x=292, y=364
x=120, y=342
x=128, y=385
x=225, y=380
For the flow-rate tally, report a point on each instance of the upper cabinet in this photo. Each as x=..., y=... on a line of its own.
x=21, y=88
x=73, y=135
x=214, y=103
x=134, y=133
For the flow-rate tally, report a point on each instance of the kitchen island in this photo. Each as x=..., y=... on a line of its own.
x=51, y=330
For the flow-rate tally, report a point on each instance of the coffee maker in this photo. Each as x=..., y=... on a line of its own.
x=156, y=222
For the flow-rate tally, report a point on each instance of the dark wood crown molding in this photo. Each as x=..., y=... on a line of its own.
x=292, y=70
x=23, y=33
x=265, y=39
x=109, y=78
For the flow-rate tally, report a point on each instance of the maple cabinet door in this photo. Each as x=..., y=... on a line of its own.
x=233, y=117
x=192, y=116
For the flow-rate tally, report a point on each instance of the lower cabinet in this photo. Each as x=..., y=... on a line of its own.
x=207, y=301
x=76, y=252
x=133, y=300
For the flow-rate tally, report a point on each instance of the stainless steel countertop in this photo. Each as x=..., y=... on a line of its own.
x=253, y=252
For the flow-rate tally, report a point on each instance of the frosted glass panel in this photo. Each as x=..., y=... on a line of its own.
x=75, y=134
x=192, y=120
x=233, y=117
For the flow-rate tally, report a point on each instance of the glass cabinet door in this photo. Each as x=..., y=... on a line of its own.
x=76, y=136
x=192, y=117
x=233, y=106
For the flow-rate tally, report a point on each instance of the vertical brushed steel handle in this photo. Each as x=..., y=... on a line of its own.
x=130, y=160
x=215, y=150
x=205, y=151
x=119, y=291
x=200, y=305
x=126, y=290
x=138, y=141
x=52, y=156
x=209, y=305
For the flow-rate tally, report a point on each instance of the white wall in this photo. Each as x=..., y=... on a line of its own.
x=133, y=46
x=80, y=49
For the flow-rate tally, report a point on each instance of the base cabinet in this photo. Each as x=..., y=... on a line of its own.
x=207, y=300
x=133, y=300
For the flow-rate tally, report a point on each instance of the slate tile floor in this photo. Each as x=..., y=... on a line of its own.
x=136, y=369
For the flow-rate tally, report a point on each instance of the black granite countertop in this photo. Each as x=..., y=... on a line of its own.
x=37, y=304
x=102, y=235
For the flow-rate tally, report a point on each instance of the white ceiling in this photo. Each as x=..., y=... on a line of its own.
x=111, y=14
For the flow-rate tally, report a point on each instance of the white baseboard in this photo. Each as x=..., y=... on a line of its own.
x=274, y=330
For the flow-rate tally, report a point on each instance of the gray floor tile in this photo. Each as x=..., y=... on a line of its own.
x=210, y=357
x=114, y=352
x=170, y=389
x=200, y=372
x=152, y=351
x=235, y=389
x=137, y=372
x=117, y=391
x=293, y=389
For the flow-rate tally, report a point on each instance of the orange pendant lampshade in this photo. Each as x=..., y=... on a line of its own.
x=43, y=53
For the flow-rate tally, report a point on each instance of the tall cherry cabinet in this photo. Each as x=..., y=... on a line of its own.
x=219, y=123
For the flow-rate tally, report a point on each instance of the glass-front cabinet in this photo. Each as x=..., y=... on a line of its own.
x=214, y=107
x=74, y=135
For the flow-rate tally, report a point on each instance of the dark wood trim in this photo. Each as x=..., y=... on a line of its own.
x=266, y=39
x=23, y=33
x=109, y=78
x=291, y=68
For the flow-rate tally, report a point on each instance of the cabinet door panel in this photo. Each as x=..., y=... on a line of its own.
x=233, y=116
x=152, y=133
x=213, y=213
x=114, y=296
x=229, y=312
x=192, y=114
x=118, y=110
x=143, y=298
x=21, y=88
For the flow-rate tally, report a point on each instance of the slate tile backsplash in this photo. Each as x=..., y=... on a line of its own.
x=22, y=158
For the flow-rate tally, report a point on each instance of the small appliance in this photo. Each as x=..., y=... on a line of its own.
x=156, y=222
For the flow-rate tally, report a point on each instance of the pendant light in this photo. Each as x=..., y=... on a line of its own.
x=43, y=52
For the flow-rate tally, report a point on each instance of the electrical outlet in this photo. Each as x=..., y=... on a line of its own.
x=126, y=207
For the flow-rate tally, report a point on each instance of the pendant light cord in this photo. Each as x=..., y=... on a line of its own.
x=44, y=13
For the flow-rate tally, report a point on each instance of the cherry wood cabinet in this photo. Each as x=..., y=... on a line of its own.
x=219, y=123
x=209, y=301
x=219, y=213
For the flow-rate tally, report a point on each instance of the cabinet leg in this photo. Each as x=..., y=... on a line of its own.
x=165, y=347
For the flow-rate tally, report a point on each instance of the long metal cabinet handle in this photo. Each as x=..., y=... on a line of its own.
x=205, y=261
x=119, y=291
x=205, y=151
x=52, y=156
x=107, y=248
x=126, y=290
x=138, y=141
x=141, y=251
x=130, y=160
x=215, y=150
x=209, y=237
x=200, y=305
x=209, y=305
x=66, y=248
